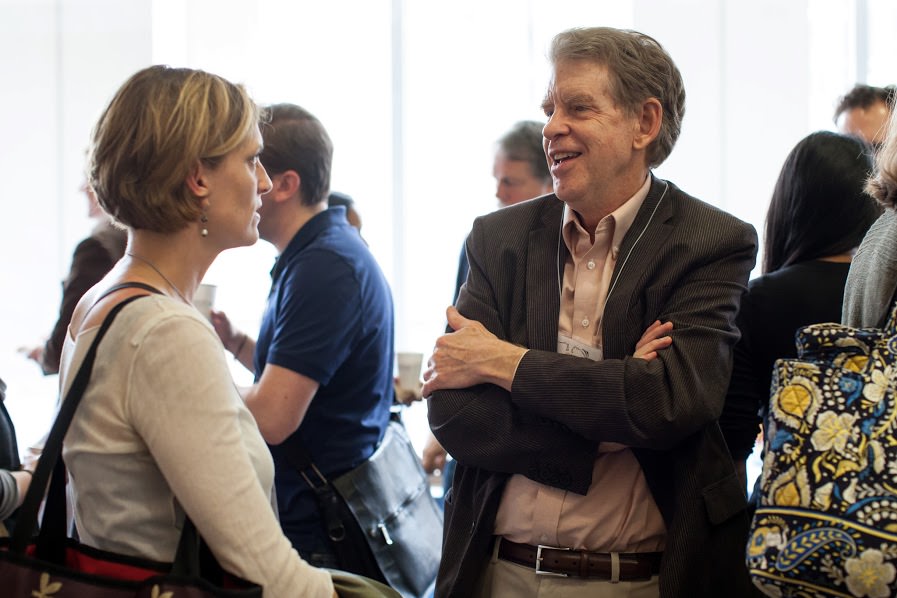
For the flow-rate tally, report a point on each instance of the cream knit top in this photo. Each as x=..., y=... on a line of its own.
x=162, y=430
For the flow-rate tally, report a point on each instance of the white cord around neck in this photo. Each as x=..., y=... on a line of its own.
x=625, y=259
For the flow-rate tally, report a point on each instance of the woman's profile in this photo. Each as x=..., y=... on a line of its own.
x=161, y=431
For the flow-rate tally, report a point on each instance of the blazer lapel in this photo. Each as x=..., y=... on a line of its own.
x=647, y=234
x=544, y=269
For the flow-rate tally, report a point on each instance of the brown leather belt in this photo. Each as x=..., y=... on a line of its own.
x=550, y=560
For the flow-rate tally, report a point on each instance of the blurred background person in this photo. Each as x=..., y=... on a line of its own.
x=335, y=198
x=817, y=217
x=14, y=479
x=863, y=112
x=92, y=260
x=521, y=172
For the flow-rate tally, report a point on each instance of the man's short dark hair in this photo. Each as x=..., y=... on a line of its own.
x=296, y=140
x=864, y=96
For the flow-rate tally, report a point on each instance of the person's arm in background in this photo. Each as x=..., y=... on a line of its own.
x=747, y=393
x=13, y=487
x=434, y=455
x=280, y=398
x=237, y=343
x=313, y=334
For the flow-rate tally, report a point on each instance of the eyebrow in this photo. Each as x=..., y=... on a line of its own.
x=574, y=98
x=579, y=98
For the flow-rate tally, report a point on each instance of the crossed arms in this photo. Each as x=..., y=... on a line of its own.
x=507, y=409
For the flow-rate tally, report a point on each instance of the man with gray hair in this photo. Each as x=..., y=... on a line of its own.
x=590, y=461
x=519, y=168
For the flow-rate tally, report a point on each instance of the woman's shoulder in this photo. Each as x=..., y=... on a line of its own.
x=144, y=315
x=159, y=314
x=804, y=276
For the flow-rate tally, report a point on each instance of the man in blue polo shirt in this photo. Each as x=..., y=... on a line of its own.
x=323, y=361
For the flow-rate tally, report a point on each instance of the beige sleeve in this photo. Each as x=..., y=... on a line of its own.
x=183, y=403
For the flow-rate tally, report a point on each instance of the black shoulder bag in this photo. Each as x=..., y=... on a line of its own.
x=380, y=517
x=53, y=565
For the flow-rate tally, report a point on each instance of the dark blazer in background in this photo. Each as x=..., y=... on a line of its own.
x=92, y=260
x=683, y=261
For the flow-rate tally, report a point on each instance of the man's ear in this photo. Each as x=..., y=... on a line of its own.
x=649, y=120
x=197, y=181
x=284, y=185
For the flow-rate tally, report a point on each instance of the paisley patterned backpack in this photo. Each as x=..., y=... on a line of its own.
x=826, y=524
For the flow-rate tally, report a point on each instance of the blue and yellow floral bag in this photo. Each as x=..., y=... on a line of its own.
x=826, y=524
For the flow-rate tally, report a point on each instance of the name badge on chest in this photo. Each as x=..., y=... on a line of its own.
x=570, y=346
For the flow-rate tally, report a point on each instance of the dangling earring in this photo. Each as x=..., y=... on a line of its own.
x=204, y=219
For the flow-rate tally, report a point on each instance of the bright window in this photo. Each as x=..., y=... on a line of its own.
x=414, y=95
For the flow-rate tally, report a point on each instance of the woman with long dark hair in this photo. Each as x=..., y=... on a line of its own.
x=818, y=214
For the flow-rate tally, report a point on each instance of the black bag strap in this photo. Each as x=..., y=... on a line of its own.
x=193, y=557
x=325, y=494
x=299, y=457
x=128, y=285
x=26, y=521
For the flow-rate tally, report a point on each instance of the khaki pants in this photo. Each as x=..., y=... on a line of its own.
x=502, y=579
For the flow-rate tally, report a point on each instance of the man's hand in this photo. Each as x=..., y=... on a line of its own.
x=468, y=356
x=35, y=354
x=229, y=336
x=656, y=337
x=237, y=343
x=434, y=455
x=406, y=396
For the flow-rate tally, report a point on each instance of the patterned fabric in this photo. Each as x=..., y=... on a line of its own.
x=827, y=520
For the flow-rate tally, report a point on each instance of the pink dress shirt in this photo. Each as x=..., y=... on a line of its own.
x=618, y=514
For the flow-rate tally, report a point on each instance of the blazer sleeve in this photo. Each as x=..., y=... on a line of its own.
x=748, y=388
x=696, y=281
x=481, y=426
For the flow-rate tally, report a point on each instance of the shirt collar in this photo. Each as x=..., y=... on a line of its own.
x=318, y=223
x=621, y=218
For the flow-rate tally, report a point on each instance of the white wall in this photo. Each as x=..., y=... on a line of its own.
x=61, y=62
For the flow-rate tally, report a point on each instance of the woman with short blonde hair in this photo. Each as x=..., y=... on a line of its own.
x=161, y=431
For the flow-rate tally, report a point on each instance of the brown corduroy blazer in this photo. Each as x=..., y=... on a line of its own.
x=682, y=261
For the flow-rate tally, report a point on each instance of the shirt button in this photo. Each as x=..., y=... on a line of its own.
x=591, y=265
x=585, y=322
x=544, y=538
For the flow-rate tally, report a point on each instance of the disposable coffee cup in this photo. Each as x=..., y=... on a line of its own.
x=204, y=299
x=409, y=369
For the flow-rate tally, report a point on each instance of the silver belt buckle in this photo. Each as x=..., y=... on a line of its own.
x=539, y=557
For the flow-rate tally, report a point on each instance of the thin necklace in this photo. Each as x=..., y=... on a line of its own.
x=159, y=272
